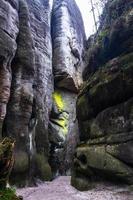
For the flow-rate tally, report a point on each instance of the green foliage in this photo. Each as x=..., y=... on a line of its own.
x=58, y=100
x=62, y=120
x=102, y=35
x=8, y=194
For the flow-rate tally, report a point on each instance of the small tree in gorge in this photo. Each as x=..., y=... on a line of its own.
x=96, y=9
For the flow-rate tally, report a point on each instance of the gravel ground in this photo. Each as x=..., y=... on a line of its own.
x=60, y=189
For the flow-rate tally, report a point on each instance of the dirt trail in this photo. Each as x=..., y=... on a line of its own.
x=60, y=189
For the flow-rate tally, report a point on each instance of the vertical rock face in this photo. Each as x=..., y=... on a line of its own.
x=40, y=19
x=21, y=97
x=63, y=131
x=68, y=40
x=27, y=83
x=31, y=90
x=105, y=105
x=30, y=102
x=8, y=30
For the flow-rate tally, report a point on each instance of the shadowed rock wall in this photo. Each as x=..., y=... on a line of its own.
x=105, y=104
x=27, y=78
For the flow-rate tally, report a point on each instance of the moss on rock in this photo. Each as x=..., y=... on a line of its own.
x=43, y=169
x=101, y=162
x=81, y=183
x=109, y=86
x=21, y=162
x=20, y=169
x=6, y=160
x=83, y=108
x=8, y=194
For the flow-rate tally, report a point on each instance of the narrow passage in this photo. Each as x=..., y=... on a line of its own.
x=60, y=189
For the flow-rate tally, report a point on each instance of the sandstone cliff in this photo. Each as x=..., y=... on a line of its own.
x=40, y=75
x=105, y=104
x=68, y=39
x=42, y=57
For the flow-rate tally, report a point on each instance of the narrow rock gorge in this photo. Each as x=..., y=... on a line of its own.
x=66, y=101
x=42, y=44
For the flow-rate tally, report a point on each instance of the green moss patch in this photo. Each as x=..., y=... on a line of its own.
x=21, y=162
x=58, y=100
x=43, y=169
x=8, y=194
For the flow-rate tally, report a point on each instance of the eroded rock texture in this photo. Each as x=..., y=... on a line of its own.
x=63, y=130
x=105, y=104
x=31, y=90
x=30, y=102
x=68, y=40
x=8, y=30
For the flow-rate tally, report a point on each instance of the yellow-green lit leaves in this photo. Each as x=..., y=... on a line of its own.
x=62, y=119
x=57, y=98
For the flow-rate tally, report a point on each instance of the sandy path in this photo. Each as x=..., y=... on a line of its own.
x=60, y=189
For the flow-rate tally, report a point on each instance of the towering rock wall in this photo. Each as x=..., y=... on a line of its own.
x=30, y=102
x=31, y=87
x=68, y=40
x=9, y=31
x=105, y=104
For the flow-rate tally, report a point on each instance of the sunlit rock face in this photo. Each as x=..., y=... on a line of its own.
x=68, y=42
x=30, y=102
x=105, y=104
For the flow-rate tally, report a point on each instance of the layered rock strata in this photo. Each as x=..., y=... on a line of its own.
x=105, y=104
